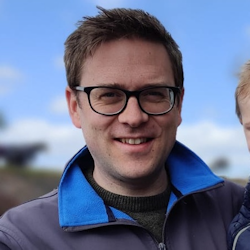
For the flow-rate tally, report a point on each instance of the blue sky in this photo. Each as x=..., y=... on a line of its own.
x=214, y=37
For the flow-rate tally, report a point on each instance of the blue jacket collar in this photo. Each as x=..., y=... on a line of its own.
x=188, y=173
x=80, y=205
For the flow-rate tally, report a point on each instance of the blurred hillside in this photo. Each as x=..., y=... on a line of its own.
x=20, y=185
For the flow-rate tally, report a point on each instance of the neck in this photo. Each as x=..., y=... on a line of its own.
x=138, y=187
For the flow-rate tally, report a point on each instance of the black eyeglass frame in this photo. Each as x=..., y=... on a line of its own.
x=87, y=90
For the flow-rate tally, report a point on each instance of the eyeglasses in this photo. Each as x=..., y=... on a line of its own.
x=110, y=101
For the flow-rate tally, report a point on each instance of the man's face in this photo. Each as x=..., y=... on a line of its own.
x=131, y=65
x=244, y=105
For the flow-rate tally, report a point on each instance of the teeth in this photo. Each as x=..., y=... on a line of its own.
x=134, y=141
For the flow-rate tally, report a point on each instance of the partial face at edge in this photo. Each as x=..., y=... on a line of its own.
x=244, y=105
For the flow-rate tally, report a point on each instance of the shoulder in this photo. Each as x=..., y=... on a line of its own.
x=226, y=196
x=229, y=192
x=234, y=191
x=30, y=218
x=42, y=203
x=233, y=187
x=42, y=206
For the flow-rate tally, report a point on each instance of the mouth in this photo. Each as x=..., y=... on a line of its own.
x=134, y=141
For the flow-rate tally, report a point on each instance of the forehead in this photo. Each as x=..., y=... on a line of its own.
x=128, y=61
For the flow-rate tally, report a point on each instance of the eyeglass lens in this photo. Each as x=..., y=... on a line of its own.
x=111, y=100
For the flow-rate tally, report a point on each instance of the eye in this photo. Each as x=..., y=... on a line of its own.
x=110, y=93
x=107, y=96
x=157, y=94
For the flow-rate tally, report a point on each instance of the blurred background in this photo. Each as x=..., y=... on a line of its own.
x=36, y=134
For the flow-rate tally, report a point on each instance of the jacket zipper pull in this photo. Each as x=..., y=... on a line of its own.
x=162, y=246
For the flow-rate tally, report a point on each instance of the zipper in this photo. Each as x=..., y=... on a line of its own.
x=162, y=246
x=238, y=236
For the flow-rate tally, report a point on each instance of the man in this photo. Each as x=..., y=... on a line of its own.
x=133, y=186
x=239, y=230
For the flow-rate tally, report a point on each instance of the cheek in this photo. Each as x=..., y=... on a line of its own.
x=175, y=118
x=178, y=117
x=179, y=120
x=247, y=135
x=168, y=124
x=95, y=126
x=92, y=134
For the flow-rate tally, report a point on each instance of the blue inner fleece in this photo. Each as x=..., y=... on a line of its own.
x=80, y=205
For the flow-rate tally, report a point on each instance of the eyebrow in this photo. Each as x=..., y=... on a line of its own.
x=147, y=85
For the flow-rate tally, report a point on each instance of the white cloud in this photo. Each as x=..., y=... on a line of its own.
x=9, y=77
x=62, y=140
x=10, y=73
x=59, y=105
x=209, y=140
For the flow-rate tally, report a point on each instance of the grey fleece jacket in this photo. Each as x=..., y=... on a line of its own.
x=200, y=209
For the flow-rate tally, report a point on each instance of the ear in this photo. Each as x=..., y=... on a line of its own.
x=73, y=107
x=180, y=105
x=181, y=100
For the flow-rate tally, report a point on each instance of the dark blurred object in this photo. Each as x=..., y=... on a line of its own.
x=220, y=163
x=6, y=202
x=20, y=155
x=19, y=185
x=2, y=121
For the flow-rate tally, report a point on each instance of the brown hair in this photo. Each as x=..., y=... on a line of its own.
x=243, y=88
x=111, y=25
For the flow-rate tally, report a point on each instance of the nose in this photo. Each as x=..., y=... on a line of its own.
x=133, y=115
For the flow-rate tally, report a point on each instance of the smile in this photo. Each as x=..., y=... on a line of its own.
x=134, y=141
